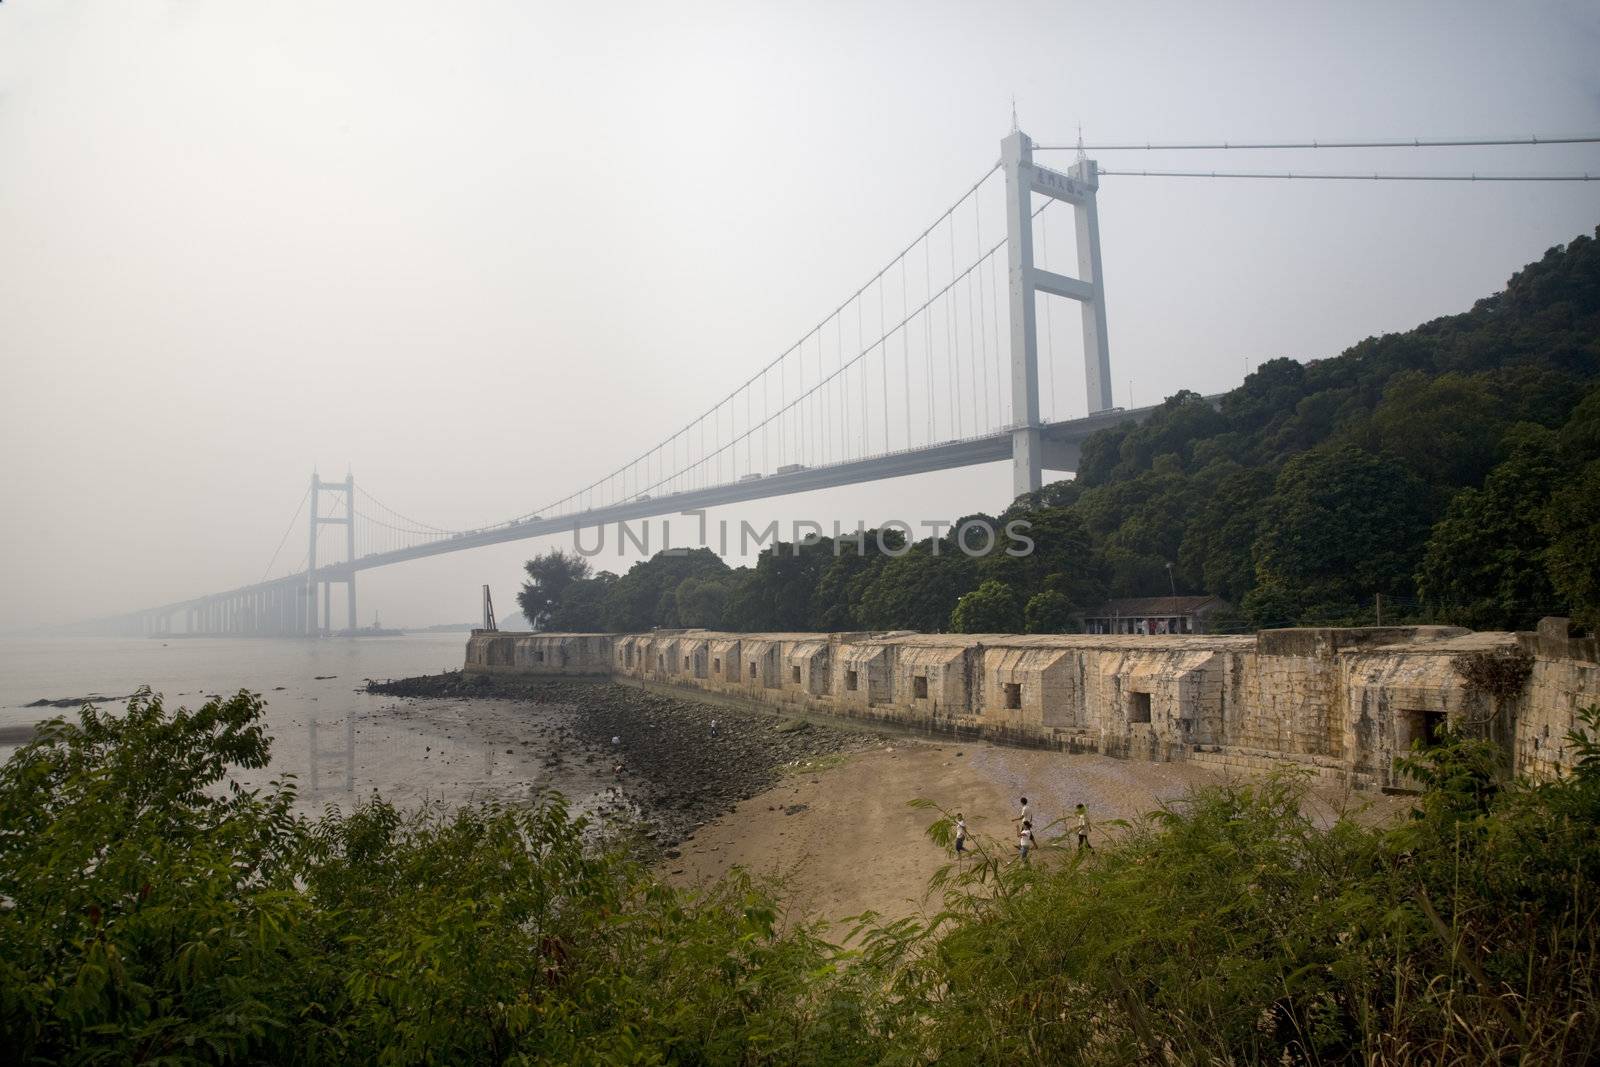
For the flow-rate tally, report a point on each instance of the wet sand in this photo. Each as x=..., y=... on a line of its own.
x=844, y=839
x=436, y=751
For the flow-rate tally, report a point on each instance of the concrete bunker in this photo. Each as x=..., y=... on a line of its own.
x=807, y=663
x=869, y=663
x=934, y=670
x=726, y=659
x=761, y=657
x=1031, y=686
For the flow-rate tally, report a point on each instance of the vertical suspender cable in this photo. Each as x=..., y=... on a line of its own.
x=927, y=334
x=827, y=413
x=999, y=344
x=983, y=319
x=861, y=374
x=952, y=332
x=838, y=388
x=883, y=364
x=905, y=351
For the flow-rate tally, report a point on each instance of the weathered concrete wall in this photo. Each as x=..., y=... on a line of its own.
x=1342, y=702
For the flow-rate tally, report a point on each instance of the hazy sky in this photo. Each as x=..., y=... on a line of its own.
x=479, y=252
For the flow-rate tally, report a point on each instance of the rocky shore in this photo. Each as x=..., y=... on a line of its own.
x=673, y=771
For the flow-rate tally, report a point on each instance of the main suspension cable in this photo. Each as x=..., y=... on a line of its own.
x=1374, y=177
x=1415, y=142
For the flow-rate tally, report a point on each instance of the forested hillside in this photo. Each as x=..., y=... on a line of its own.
x=1454, y=469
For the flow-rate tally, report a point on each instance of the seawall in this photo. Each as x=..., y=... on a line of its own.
x=1341, y=702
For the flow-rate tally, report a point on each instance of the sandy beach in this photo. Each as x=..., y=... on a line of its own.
x=824, y=807
x=844, y=838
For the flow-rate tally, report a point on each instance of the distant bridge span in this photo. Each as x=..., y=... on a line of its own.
x=280, y=606
x=932, y=364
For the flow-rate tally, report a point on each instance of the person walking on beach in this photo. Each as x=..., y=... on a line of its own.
x=1025, y=815
x=713, y=727
x=1025, y=841
x=961, y=834
x=1083, y=830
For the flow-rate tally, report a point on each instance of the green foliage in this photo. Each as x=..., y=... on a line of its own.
x=154, y=913
x=1049, y=612
x=1445, y=429
x=1484, y=565
x=549, y=576
x=649, y=595
x=992, y=608
x=780, y=592
x=917, y=591
x=700, y=601
x=1341, y=524
x=1233, y=928
x=583, y=606
x=1572, y=522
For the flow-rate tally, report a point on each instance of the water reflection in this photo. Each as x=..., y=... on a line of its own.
x=317, y=756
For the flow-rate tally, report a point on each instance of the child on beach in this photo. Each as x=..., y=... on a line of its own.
x=1083, y=830
x=961, y=834
x=1025, y=841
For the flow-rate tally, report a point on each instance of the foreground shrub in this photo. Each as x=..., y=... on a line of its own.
x=150, y=910
x=1232, y=929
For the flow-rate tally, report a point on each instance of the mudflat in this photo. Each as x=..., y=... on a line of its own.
x=824, y=807
x=844, y=838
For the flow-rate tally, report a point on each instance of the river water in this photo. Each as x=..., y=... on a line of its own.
x=338, y=741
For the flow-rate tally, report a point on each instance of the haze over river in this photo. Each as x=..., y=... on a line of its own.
x=409, y=750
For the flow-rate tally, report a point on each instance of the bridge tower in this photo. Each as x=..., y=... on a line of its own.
x=334, y=573
x=1077, y=187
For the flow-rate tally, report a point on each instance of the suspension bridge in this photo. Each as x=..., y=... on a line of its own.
x=933, y=363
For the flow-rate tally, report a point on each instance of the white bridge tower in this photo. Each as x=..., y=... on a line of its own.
x=1077, y=187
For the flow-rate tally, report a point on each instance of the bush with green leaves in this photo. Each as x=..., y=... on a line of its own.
x=1233, y=928
x=151, y=910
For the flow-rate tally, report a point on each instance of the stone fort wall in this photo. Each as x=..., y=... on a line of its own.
x=1342, y=702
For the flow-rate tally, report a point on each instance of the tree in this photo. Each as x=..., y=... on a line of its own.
x=700, y=602
x=1572, y=522
x=1050, y=612
x=1446, y=428
x=992, y=608
x=548, y=578
x=583, y=605
x=1484, y=565
x=917, y=591
x=1215, y=552
x=646, y=596
x=1172, y=429
x=837, y=600
x=1061, y=548
x=1342, y=525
